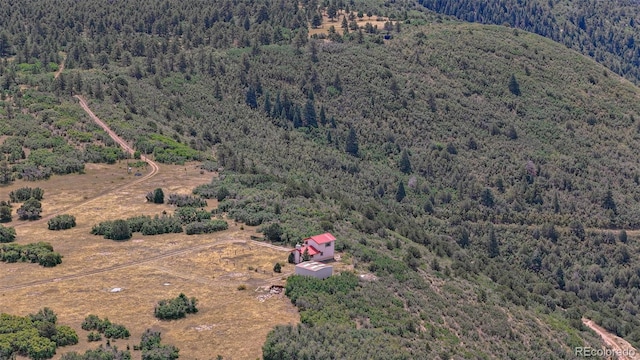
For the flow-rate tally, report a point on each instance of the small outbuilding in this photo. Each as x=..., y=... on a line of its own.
x=315, y=269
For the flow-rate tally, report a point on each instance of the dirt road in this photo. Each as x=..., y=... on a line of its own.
x=60, y=68
x=620, y=347
x=154, y=166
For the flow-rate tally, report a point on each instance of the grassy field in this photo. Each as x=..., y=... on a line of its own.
x=231, y=322
x=375, y=21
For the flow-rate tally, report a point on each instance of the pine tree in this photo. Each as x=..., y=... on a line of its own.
x=5, y=173
x=352, y=143
x=486, y=198
x=560, y=278
x=493, y=248
x=267, y=104
x=463, y=240
x=251, y=98
x=310, y=115
x=514, y=87
x=405, y=163
x=323, y=116
x=609, y=203
x=400, y=194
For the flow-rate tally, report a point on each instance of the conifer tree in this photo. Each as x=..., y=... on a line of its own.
x=514, y=87
x=401, y=192
x=405, y=163
x=352, y=143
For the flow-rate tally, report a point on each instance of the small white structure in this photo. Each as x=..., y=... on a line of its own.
x=317, y=248
x=315, y=269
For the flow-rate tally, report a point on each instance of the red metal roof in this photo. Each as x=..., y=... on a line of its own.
x=322, y=238
x=311, y=249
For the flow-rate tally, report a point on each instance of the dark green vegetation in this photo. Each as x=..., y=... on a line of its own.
x=30, y=210
x=108, y=353
x=152, y=349
x=5, y=212
x=606, y=31
x=177, y=308
x=195, y=221
x=156, y=196
x=41, y=253
x=26, y=193
x=461, y=164
x=7, y=234
x=106, y=327
x=35, y=336
x=61, y=222
x=206, y=227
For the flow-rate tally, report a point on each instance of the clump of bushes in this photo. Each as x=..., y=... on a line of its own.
x=62, y=222
x=189, y=215
x=106, y=327
x=7, y=234
x=171, y=309
x=152, y=349
x=156, y=196
x=94, y=336
x=25, y=193
x=114, y=230
x=206, y=227
x=186, y=201
x=41, y=253
x=30, y=210
x=35, y=336
x=110, y=353
x=144, y=224
x=5, y=212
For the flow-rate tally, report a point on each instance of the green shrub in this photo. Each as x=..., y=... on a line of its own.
x=175, y=308
x=62, y=222
x=35, y=336
x=186, y=201
x=206, y=227
x=41, y=253
x=7, y=234
x=116, y=331
x=65, y=336
x=94, y=336
x=152, y=349
x=30, y=210
x=119, y=231
x=5, y=213
x=189, y=214
x=25, y=193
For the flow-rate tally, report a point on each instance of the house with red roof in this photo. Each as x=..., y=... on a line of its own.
x=318, y=248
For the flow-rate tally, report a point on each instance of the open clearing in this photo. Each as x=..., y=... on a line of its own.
x=375, y=21
x=124, y=280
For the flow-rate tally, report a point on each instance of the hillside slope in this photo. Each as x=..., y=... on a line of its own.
x=482, y=174
x=605, y=31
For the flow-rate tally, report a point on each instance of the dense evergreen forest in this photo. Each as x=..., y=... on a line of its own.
x=486, y=176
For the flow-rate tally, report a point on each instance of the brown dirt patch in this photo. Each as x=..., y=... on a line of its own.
x=230, y=322
x=337, y=23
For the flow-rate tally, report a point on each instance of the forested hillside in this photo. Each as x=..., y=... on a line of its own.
x=604, y=30
x=484, y=174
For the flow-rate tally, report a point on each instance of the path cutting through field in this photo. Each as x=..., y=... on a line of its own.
x=620, y=347
x=154, y=166
x=139, y=262
x=60, y=68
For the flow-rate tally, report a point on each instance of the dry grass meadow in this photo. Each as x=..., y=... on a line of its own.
x=337, y=23
x=231, y=322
